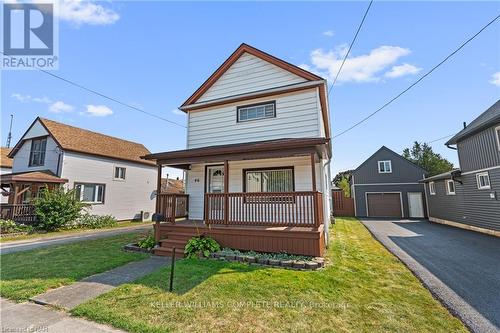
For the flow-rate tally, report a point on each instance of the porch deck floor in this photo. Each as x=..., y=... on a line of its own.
x=201, y=224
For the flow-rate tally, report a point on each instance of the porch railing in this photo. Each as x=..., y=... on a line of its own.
x=303, y=209
x=21, y=213
x=172, y=206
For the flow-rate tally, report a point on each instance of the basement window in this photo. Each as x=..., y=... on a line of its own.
x=256, y=111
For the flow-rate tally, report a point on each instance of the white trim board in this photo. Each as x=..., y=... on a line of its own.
x=481, y=170
x=400, y=199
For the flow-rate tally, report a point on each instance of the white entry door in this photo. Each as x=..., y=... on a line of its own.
x=215, y=179
x=416, y=204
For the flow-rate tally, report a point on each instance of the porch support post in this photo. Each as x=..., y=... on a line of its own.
x=226, y=191
x=157, y=208
x=313, y=172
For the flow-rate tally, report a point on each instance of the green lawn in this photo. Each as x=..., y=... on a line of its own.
x=29, y=273
x=72, y=232
x=363, y=289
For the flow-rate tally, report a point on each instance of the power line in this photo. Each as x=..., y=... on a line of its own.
x=104, y=96
x=418, y=81
x=350, y=46
x=442, y=138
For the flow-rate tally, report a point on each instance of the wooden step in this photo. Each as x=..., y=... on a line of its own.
x=167, y=252
x=173, y=242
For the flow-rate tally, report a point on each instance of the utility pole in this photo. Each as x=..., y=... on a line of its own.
x=9, y=137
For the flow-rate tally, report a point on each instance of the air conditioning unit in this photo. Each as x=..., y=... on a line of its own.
x=146, y=216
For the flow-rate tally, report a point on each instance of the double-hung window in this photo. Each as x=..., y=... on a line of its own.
x=256, y=111
x=37, y=153
x=450, y=187
x=90, y=193
x=384, y=167
x=483, y=181
x=120, y=173
x=432, y=188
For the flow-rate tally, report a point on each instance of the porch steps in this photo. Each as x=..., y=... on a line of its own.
x=174, y=238
x=167, y=252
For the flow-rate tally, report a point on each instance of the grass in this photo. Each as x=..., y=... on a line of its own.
x=70, y=232
x=363, y=289
x=29, y=273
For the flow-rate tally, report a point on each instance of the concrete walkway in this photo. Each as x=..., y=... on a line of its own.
x=69, y=297
x=29, y=317
x=460, y=267
x=29, y=244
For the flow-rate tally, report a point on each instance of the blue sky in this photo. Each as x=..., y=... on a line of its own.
x=155, y=54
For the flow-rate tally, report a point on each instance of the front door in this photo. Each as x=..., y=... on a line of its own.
x=215, y=179
x=415, y=204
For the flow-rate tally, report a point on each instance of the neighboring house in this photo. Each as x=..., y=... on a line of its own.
x=5, y=167
x=258, y=144
x=387, y=185
x=469, y=197
x=169, y=185
x=105, y=171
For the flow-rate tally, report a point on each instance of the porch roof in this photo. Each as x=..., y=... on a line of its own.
x=243, y=151
x=44, y=176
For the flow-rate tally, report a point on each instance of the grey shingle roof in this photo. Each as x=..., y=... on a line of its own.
x=485, y=120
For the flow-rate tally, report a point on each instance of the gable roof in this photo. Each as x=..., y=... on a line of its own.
x=393, y=153
x=235, y=56
x=5, y=160
x=486, y=119
x=79, y=140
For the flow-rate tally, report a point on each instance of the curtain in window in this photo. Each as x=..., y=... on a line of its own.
x=280, y=180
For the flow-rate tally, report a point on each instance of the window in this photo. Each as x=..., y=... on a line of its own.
x=90, y=193
x=37, y=153
x=120, y=173
x=257, y=111
x=432, y=188
x=450, y=187
x=497, y=132
x=483, y=181
x=271, y=180
x=384, y=167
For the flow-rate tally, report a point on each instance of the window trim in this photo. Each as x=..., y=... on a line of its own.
x=448, y=188
x=30, y=164
x=497, y=135
x=92, y=202
x=432, y=188
x=478, y=175
x=124, y=173
x=383, y=161
x=238, y=108
x=244, y=176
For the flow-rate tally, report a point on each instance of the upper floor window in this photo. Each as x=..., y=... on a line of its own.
x=37, y=153
x=384, y=167
x=497, y=132
x=257, y=111
x=432, y=188
x=120, y=173
x=450, y=187
x=483, y=181
x=90, y=193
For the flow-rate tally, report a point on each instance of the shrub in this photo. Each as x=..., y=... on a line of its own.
x=56, y=208
x=201, y=245
x=147, y=243
x=88, y=221
x=10, y=227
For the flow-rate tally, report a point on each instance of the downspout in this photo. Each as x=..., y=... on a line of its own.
x=327, y=225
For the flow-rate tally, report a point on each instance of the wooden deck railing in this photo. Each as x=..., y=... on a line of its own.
x=276, y=209
x=21, y=213
x=172, y=206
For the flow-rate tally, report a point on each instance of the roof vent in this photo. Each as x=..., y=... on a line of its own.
x=465, y=124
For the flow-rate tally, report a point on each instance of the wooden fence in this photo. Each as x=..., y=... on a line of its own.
x=342, y=206
x=172, y=206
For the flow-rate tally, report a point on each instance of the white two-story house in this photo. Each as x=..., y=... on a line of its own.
x=106, y=172
x=257, y=158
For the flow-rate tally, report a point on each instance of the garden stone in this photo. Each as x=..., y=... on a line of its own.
x=299, y=264
x=287, y=263
x=262, y=261
x=240, y=258
x=250, y=259
x=312, y=265
x=274, y=262
x=231, y=257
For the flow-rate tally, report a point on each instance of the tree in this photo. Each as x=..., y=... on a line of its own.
x=343, y=181
x=422, y=155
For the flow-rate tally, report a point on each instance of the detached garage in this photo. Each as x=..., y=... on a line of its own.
x=387, y=185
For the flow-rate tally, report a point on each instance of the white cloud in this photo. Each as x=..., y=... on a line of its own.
x=86, y=12
x=60, y=107
x=44, y=100
x=178, y=112
x=402, y=70
x=328, y=33
x=495, y=79
x=98, y=111
x=362, y=68
x=27, y=98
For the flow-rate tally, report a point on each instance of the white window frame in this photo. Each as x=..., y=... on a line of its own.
x=265, y=114
x=448, y=192
x=478, y=180
x=497, y=135
x=124, y=173
x=385, y=171
x=432, y=188
x=94, y=202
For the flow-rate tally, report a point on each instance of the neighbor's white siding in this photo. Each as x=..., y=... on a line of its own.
x=298, y=115
x=20, y=163
x=196, y=178
x=249, y=74
x=123, y=199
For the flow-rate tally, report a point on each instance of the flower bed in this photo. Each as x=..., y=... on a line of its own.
x=280, y=260
x=134, y=247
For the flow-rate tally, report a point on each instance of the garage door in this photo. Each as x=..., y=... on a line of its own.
x=384, y=204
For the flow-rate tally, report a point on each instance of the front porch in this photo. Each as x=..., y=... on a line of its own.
x=264, y=196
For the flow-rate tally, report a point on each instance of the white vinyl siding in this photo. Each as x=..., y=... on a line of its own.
x=297, y=116
x=249, y=74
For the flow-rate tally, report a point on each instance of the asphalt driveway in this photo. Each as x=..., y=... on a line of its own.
x=460, y=267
